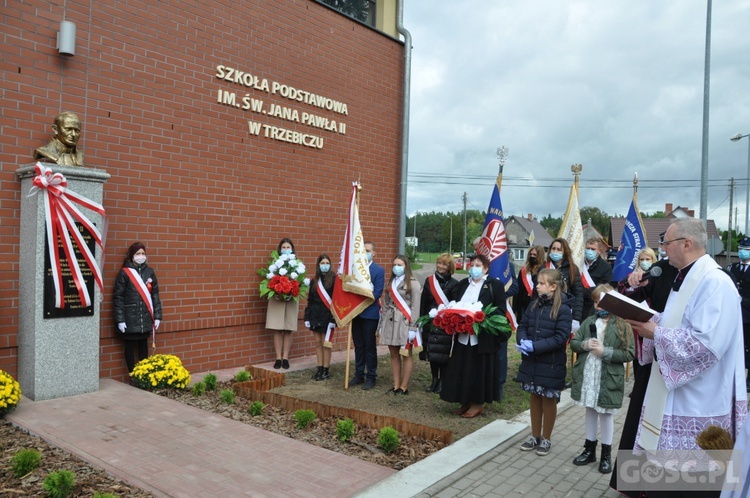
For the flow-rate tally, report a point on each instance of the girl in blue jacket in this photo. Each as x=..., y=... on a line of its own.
x=542, y=336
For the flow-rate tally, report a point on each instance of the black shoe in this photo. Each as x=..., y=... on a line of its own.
x=392, y=390
x=605, y=464
x=432, y=386
x=401, y=392
x=369, y=384
x=316, y=375
x=356, y=381
x=438, y=386
x=588, y=455
x=285, y=364
x=324, y=375
x=277, y=365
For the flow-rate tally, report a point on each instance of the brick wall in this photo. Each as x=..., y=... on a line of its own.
x=209, y=199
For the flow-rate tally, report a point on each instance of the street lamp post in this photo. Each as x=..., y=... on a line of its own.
x=737, y=138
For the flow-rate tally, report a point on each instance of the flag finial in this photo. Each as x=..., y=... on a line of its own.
x=502, y=155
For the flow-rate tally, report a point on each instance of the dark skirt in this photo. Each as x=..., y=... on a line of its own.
x=471, y=377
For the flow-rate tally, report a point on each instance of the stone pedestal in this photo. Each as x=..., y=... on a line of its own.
x=56, y=356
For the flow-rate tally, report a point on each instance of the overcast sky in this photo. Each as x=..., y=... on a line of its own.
x=616, y=86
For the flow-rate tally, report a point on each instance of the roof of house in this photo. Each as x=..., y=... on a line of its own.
x=541, y=236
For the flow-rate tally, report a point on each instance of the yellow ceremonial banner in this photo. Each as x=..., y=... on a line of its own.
x=572, y=228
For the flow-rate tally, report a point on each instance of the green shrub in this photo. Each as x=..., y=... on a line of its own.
x=60, y=484
x=199, y=389
x=227, y=396
x=388, y=439
x=210, y=380
x=25, y=461
x=304, y=417
x=256, y=408
x=345, y=429
x=242, y=376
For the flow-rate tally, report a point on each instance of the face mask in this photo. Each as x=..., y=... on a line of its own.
x=645, y=265
x=602, y=313
x=139, y=259
x=532, y=259
x=662, y=253
x=325, y=268
x=590, y=255
x=555, y=256
x=286, y=251
x=744, y=254
x=475, y=272
x=398, y=270
x=369, y=256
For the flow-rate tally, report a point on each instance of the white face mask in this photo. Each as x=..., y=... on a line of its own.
x=139, y=259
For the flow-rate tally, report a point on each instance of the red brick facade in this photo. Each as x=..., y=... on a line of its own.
x=209, y=198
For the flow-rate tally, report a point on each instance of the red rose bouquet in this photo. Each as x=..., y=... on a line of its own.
x=467, y=318
x=284, y=278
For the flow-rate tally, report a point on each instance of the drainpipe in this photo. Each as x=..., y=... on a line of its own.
x=405, y=125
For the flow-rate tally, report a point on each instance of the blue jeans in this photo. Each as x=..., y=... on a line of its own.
x=365, y=347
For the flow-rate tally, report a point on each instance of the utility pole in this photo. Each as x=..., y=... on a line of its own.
x=450, y=241
x=729, y=231
x=464, y=253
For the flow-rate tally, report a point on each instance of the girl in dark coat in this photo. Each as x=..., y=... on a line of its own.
x=527, y=280
x=135, y=316
x=437, y=343
x=542, y=335
x=318, y=316
x=473, y=374
x=561, y=258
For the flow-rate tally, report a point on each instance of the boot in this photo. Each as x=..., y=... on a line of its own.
x=431, y=388
x=605, y=464
x=316, y=375
x=438, y=386
x=589, y=454
x=323, y=374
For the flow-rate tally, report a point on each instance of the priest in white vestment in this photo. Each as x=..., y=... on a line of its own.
x=697, y=344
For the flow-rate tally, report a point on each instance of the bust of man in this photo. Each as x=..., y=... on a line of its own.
x=62, y=149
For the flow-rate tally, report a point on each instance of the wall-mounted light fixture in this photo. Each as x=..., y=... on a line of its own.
x=66, y=38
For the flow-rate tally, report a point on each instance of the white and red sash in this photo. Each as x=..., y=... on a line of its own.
x=414, y=345
x=323, y=293
x=550, y=265
x=512, y=320
x=328, y=341
x=528, y=282
x=436, y=291
x=586, y=279
x=140, y=286
x=399, y=301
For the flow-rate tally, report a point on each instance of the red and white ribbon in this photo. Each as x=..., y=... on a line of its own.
x=60, y=211
x=414, y=343
x=436, y=291
x=510, y=315
x=527, y=281
x=328, y=340
x=586, y=279
x=324, y=296
x=399, y=301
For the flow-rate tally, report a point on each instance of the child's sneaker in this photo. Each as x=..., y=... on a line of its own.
x=531, y=443
x=544, y=447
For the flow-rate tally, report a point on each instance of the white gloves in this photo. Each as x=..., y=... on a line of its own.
x=156, y=324
x=307, y=324
x=122, y=327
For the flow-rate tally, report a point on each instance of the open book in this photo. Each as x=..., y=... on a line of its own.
x=624, y=307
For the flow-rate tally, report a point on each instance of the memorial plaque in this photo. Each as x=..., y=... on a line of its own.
x=74, y=306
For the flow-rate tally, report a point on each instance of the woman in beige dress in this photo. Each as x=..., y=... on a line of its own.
x=397, y=326
x=282, y=316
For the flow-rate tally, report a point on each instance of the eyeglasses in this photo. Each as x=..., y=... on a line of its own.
x=665, y=243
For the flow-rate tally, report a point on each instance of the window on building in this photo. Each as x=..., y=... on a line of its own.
x=361, y=10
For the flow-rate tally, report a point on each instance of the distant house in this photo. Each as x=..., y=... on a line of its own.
x=523, y=233
x=656, y=226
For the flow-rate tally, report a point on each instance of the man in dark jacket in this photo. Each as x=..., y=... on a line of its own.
x=741, y=276
x=596, y=271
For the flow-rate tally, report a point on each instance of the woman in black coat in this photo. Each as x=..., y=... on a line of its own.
x=136, y=316
x=318, y=316
x=473, y=374
x=535, y=260
x=561, y=258
x=437, y=344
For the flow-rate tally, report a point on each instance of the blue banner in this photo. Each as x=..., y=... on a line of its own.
x=632, y=241
x=494, y=241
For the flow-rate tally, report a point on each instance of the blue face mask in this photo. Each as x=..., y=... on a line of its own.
x=744, y=254
x=590, y=255
x=602, y=313
x=286, y=251
x=555, y=256
x=645, y=265
x=324, y=268
x=398, y=270
x=475, y=272
x=368, y=256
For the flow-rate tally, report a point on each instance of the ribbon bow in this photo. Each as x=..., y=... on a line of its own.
x=59, y=214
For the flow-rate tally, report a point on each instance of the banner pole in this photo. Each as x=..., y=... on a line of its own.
x=348, y=356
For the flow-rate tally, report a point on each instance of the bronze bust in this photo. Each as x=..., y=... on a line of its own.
x=62, y=149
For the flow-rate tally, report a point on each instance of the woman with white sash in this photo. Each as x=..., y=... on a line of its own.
x=318, y=316
x=535, y=260
x=397, y=326
x=136, y=304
